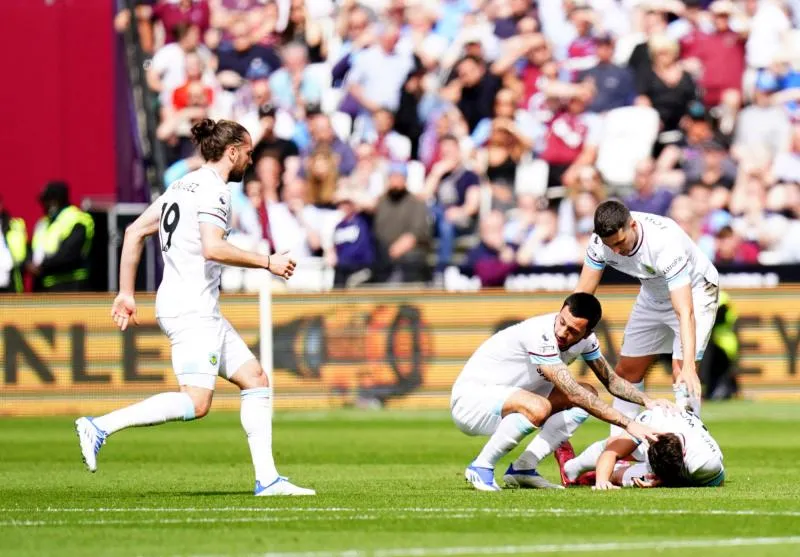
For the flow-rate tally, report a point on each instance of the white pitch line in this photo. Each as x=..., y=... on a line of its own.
x=375, y=515
x=444, y=511
x=543, y=548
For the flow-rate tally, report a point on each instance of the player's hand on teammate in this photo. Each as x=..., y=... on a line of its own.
x=688, y=376
x=123, y=311
x=281, y=265
x=641, y=432
x=604, y=485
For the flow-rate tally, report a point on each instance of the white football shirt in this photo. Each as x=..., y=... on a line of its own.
x=663, y=259
x=190, y=285
x=702, y=455
x=512, y=357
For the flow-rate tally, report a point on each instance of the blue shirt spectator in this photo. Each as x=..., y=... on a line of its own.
x=614, y=85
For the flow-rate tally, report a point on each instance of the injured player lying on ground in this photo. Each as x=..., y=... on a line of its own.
x=685, y=455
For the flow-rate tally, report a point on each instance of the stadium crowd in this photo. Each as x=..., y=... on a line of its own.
x=395, y=138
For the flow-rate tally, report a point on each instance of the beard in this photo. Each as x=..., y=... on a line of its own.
x=236, y=174
x=397, y=195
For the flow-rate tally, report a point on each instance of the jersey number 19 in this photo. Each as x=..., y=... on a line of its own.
x=169, y=222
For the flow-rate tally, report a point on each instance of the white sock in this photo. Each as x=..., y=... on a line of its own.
x=629, y=409
x=684, y=400
x=585, y=461
x=509, y=433
x=158, y=409
x=256, y=417
x=557, y=429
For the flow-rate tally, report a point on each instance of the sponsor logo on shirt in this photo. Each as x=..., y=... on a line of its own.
x=672, y=265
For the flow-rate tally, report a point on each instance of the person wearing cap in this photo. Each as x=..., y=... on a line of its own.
x=13, y=251
x=762, y=124
x=402, y=232
x=62, y=241
x=613, y=84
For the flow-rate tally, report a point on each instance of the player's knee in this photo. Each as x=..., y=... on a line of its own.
x=630, y=370
x=250, y=376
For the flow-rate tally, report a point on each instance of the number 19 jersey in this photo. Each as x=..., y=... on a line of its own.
x=190, y=285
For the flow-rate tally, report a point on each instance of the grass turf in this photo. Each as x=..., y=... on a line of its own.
x=387, y=481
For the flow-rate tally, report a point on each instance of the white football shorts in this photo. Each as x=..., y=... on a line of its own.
x=203, y=348
x=654, y=329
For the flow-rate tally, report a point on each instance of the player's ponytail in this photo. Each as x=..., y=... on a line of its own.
x=214, y=137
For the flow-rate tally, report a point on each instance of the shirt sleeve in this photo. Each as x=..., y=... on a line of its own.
x=214, y=207
x=542, y=348
x=673, y=264
x=591, y=349
x=595, y=256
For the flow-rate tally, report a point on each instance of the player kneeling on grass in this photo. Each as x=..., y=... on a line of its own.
x=685, y=455
x=518, y=380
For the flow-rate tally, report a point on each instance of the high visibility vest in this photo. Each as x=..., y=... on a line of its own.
x=17, y=242
x=723, y=334
x=49, y=236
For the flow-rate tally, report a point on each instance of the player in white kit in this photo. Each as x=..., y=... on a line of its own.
x=676, y=307
x=685, y=455
x=518, y=380
x=192, y=220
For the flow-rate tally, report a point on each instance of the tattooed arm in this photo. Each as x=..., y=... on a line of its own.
x=620, y=387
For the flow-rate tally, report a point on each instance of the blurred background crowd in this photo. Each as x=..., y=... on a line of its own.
x=397, y=138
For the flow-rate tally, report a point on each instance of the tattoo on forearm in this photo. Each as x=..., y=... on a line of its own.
x=615, y=384
x=564, y=382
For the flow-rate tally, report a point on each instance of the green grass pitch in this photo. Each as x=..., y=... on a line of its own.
x=390, y=484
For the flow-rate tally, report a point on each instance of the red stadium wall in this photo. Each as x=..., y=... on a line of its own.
x=56, y=100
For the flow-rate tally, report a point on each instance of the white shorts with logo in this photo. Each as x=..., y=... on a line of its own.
x=203, y=348
x=654, y=328
x=477, y=408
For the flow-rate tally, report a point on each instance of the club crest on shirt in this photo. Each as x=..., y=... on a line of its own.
x=649, y=269
x=213, y=359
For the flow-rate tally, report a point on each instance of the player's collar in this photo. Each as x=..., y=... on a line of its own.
x=217, y=174
x=639, y=239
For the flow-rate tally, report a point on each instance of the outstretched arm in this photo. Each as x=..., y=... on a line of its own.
x=589, y=279
x=617, y=447
x=559, y=375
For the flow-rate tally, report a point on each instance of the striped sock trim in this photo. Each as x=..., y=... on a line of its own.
x=258, y=392
x=524, y=425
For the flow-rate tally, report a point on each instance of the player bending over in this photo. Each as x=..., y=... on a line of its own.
x=518, y=380
x=192, y=220
x=676, y=307
x=685, y=455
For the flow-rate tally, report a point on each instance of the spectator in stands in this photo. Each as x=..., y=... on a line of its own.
x=402, y=231
x=498, y=162
x=248, y=213
x=195, y=73
x=322, y=176
x=62, y=242
x=473, y=90
x=240, y=55
x=572, y=136
x=378, y=74
x=669, y=89
x=418, y=39
x=786, y=167
x=388, y=144
x=493, y=259
x=520, y=123
x=322, y=135
x=408, y=121
x=575, y=211
x=582, y=51
x=769, y=26
x=535, y=53
x=173, y=14
x=689, y=29
x=270, y=145
x=731, y=249
x=613, y=85
x=507, y=26
x=143, y=15
x=168, y=69
x=356, y=35
x=294, y=86
x=762, y=124
x=721, y=54
x=545, y=246
x=13, y=251
x=521, y=219
x=713, y=166
x=454, y=194
x=648, y=196
x=175, y=130
x=353, y=256
x=368, y=179
x=295, y=222
x=301, y=29
x=654, y=23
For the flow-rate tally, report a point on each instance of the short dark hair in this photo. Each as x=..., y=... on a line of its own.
x=666, y=460
x=214, y=137
x=609, y=217
x=584, y=306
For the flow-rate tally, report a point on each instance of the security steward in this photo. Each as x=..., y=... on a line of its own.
x=61, y=243
x=13, y=251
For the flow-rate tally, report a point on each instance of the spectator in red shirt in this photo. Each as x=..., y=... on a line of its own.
x=582, y=52
x=172, y=12
x=535, y=53
x=730, y=248
x=194, y=74
x=692, y=21
x=722, y=54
